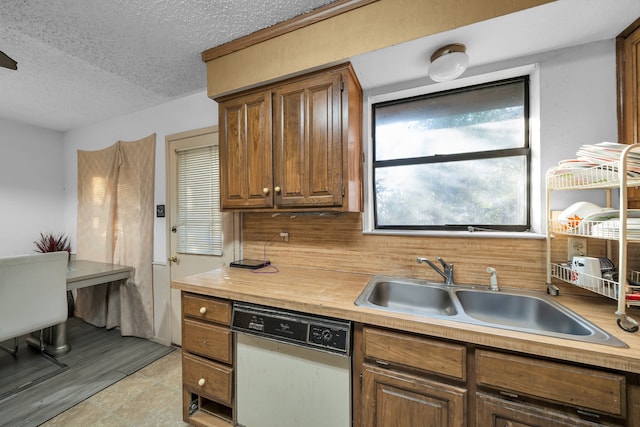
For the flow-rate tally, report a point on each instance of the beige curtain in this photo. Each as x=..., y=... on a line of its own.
x=115, y=225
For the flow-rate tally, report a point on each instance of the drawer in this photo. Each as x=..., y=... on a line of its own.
x=492, y=411
x=422, y=353
x=207, y=340
x=207, y=378
x=577, y=386
x=206, y=308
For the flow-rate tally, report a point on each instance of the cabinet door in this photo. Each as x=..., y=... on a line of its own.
x=245, y=151
x=395, y=399
x=494, y=412
x=628, y=59
x=308, y=143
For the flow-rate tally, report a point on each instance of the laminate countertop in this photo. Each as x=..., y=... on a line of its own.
x=332, y=293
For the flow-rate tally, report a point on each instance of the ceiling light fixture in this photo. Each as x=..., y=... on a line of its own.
x=7, y=62
x=448, y=62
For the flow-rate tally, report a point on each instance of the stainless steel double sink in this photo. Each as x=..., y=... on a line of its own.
x=516, y=310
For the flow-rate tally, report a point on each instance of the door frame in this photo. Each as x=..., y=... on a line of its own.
x=175, y=310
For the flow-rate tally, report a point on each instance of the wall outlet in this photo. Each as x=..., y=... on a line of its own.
x=285, y=236
x=576, y=246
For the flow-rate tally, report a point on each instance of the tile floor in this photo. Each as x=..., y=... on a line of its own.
x=150, y=397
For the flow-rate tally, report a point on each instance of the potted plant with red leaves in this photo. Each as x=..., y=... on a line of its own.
x=51, y=242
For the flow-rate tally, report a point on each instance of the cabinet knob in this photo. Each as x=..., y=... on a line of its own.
x=201, y=382
x=276, y=189
x=265, y=190
x=203, y=310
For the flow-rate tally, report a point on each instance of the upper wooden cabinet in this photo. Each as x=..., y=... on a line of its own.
x=294, y=145
x=246, y=175
x=628, y=79
x=628, y=70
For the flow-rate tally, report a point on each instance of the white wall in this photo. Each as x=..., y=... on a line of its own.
x=578, y=106
x=191, y=112
x=31, y=185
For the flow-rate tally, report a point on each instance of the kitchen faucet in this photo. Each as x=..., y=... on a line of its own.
x=446, y=272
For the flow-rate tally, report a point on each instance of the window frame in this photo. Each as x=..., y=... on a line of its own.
x=535, y=176
x=470, y=155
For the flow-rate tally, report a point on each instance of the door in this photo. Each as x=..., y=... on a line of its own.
x=194, y=226
x=245, y=150
x=394, y=399
x=628, y=70
x=308, y=143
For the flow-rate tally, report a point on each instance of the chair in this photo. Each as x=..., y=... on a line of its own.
x=33, y=294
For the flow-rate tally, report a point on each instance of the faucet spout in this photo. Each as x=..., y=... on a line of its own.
x=446, y=272
x=493, y=279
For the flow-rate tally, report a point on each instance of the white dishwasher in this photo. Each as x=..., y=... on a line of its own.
x=292, y=369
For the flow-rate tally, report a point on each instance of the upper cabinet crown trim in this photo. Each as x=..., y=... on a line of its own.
x=317, y=15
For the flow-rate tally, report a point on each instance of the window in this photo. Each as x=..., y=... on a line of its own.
x=199, y=216
x=454, y=160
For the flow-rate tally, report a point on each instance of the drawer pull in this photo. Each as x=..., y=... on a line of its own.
x=203, y=310
x=509, y=394
x=587, y=413
x=382, y=362
x=201, y=382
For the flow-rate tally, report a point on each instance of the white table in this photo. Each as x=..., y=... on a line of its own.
x=80, y=274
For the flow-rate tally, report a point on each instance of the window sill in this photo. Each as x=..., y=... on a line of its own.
x=461, y=234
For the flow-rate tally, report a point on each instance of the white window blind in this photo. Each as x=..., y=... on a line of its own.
x=199, y=230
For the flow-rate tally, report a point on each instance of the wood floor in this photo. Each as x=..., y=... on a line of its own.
x=98, y=359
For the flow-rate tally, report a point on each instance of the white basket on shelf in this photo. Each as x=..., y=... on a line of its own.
x=602, y=176
x=602, y=286
x=596, y=177
x=601, y=225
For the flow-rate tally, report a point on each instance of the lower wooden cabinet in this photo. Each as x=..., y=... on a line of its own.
x=392, y=398
x=207, y=361
x=405, y=379
x=410, y=380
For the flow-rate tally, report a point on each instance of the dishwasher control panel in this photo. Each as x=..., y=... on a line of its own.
x=328, y=336
x=321, y=333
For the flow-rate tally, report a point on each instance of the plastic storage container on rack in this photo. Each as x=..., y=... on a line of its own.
x=622, y=225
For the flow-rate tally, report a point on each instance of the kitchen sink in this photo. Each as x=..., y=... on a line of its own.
x=521, y=312
x=408, y=296
x=517, y=310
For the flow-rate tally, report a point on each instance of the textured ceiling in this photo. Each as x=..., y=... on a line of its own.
x=81, y=61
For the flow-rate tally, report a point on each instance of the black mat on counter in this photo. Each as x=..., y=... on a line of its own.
x=98, y=359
